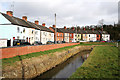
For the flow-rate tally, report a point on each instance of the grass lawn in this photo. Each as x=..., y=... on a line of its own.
x=102, y=63
x=9, y=61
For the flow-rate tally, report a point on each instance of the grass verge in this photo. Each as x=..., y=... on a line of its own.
x=10, y=61
x=102, y=63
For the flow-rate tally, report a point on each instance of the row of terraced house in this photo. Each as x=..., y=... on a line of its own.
x=12, y=28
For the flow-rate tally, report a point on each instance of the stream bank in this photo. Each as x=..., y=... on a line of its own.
x=32, y=67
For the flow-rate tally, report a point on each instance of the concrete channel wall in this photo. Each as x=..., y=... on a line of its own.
x=30, y=68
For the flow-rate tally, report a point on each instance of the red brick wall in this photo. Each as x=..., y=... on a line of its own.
x=11, y=52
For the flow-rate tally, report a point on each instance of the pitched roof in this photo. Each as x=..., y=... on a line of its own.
x=28, y=24
x=97, y=32
x=43, y=28
x=16, y=21
x=102, y=32
x=64, y=30
x=70, y=30
x=58, y=30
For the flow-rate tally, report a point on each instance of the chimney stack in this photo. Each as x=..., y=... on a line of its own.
x=73, y=28
x=43, y=24
x=37, y=22
x=92, y=29
x=10, y=13
x=102, y=29
x=54, y=26
x=64, y=27
x=24, y=18
x=84, y=29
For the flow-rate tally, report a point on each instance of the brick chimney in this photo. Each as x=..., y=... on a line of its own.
x=101, y=29
x=65, y=27
x=84, y=29
x=73, y=28
x=10, y=13
x=43, y=24
x=37, y=22
x=54, y=26
x=92, y=29
x=24, y=18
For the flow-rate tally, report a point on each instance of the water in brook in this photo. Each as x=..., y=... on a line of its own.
x=66, y=69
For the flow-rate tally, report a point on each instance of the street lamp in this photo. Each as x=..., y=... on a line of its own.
x=55, y=30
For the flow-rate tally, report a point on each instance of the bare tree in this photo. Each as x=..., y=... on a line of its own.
x=101, y=22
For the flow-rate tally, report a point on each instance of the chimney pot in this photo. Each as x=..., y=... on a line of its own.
x=84, y=29
x=64, y=27
x=37, y=22
x=43, y=24
x=73, y=28
x=54, y=26
x=10, y=13
x=24, y=18
x=102, y=29
x=92, y=29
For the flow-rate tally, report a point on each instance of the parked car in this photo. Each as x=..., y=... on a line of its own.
x=17, y=42
x=118, y=40
x=24, y=43
x=82, y=41
x=37, y=43
x=63, y=42
x=59, y=42
x=103, y=41
x=97, y=41
x=50, y=42
x=90, y=41
x=20, y=42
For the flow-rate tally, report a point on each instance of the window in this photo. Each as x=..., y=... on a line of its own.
x=58, y=34
x=61, y=34
x=32, y=31
x=23, y=37
x=75, y=35
x=24, y=30
x=44, y=33
x=27, y=39
x=89, y=35
x=67, y=34
x=18, y=29
x=97, y=35
x=36, y=32
x=78, y=35
x=70, y=35
x=75, y=39
x=18, y=37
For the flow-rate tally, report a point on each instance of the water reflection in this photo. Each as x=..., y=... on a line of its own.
x=65, y=69
x=84, y=57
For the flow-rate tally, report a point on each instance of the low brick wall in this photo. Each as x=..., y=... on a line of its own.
x=14, y=51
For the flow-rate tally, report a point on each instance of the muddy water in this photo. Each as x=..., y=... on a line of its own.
x=65, y=69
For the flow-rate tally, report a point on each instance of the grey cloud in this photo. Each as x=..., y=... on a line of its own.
x=69, y=12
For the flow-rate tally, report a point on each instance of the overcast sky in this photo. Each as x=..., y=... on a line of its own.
x=69, y=12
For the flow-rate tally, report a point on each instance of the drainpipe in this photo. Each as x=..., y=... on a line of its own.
x=40, y=35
